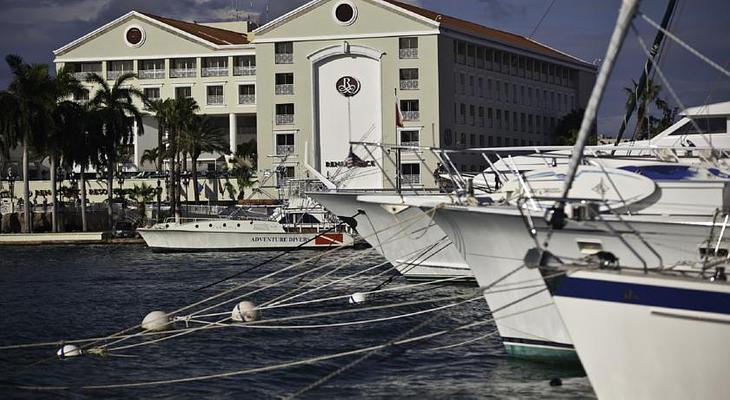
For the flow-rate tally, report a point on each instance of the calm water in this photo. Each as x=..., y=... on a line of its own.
x=54, y=293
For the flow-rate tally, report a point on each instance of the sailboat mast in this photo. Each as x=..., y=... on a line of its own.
x=625, y=15
x=641, y=86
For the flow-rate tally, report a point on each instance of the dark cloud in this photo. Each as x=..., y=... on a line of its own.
x=34, y=29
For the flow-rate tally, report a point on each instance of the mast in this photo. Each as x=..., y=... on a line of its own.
x=641, y=86
x=625, y=15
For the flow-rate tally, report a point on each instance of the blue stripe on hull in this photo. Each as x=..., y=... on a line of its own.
x=647, y=295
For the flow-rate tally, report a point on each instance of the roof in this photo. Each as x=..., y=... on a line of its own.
x=214, y=35
x=718, y=109
x=507, y=38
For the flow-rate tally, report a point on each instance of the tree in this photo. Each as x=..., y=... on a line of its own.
x=114, y=107
x=142, y=194
x=152, y=156
x=25, y=114
x=202, y=136
x=244, y=165
x=567, y=127
x=643, y=101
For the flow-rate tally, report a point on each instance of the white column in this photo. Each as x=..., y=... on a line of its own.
x=233, y=131
x=135, y=140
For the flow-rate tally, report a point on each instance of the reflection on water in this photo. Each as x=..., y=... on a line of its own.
x=65, y=292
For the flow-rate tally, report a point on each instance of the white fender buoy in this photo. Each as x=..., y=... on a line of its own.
x=156, y=321
x=357, y=298
x=69, y=350
x=245, y=311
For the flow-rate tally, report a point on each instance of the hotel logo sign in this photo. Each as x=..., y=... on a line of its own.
x=348, y=86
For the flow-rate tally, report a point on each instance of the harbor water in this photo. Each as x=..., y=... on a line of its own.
x=54, y=293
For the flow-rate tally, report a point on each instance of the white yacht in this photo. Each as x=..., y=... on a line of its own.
x=648, y=335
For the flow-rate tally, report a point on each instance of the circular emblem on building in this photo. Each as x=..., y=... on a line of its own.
x=344, y=12
x=348, y=86
x=134, y=36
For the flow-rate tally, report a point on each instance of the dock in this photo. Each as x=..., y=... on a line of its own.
x=64, y=238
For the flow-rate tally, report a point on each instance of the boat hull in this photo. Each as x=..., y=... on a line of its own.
x=495, y=240
x=644, y=337
x=408, y=238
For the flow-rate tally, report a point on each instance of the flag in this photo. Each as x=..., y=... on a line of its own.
x=398, y=115
x=353, y=161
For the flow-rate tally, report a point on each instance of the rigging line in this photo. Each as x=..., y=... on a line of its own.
x=545, y=14
x=451, y=346
x=307, y=361
x=686, y=46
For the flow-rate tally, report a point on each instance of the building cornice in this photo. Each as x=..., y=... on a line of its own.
x=347, y=37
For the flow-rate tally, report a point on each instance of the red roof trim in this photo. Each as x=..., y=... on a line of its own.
x=216, y=36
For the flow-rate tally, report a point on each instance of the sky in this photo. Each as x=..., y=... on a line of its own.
x=34, y=28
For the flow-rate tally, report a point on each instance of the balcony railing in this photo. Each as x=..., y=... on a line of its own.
x=113, y=75
x=411, y=115
x=283, y=149
x=244, y=70
x=414, y=143
x=214, y=71
x=183, y=73
x=411, y=179
x=81, y=76
x=246, y=99
x=284, y=58
x=215, y=100
x=284, y=89
x=408, y=53
x=409, y=84
x=284, y=119
x=151, y=74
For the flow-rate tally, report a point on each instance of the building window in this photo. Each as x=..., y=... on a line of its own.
x=480, y=57
x=506, y=119
x=470, y=55
x=115, y=69
x=480, y=87
x=506, y=92
x=462, y=82
x=472, y=115
x=284, y=83
x=345, y=13
x=490, y=122
x=244, y=65
x=410, y=110
x=462, y=113
x=409, y=138
x=514, y=122
x=408, y=47
x=409, y=78
x=523, y=124
x=283, y=175
x=471, y=85
x=214, y=95
x=529, y=123
x=284, y=114
x=183, y=92
x=151, y=94
x=284, y=53
x=247, y=94
x=481, y=116
x=538, y=128
x=499, y=119
x=481, y=140
x=410, y=173
x=490, y=141
x=183, y=68
x=523, y=99
x=499, y=91
x=514, y=93
x=214, y=66
x=460, y=52
x=472, y=140
x=151, y=69
x=284, y=144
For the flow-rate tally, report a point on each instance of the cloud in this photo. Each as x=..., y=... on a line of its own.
x=70, y=11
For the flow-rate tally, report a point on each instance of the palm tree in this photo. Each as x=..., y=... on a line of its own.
x=114, y=106
x=152, y=156
x=179, y=116
x=202, y=136
x=643, y=100
x=25, y=114
x=142, y=194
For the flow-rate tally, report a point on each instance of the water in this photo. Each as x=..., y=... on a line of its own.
x=66, y=292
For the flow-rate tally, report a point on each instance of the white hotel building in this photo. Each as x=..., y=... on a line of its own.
x=458, y=84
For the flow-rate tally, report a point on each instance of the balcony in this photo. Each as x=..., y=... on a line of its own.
x=246, y=99
x=244, y=70
x=411, y=115
x=215, y=100
x=412, y=143
x=409, y=84
x=284, y=58
x=113, y=75
x=284, y=89
x=284, y=119
x=409, y=53
x=81, y=76
x=284, y=149
x=214, y=71
x=151, y=74
x=183, y=73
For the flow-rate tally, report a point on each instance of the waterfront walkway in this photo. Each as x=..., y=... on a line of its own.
x=63, y=238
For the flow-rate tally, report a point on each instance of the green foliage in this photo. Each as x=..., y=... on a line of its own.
x=567, y=127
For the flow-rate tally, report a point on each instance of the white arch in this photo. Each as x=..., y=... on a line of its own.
x=345, y=49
